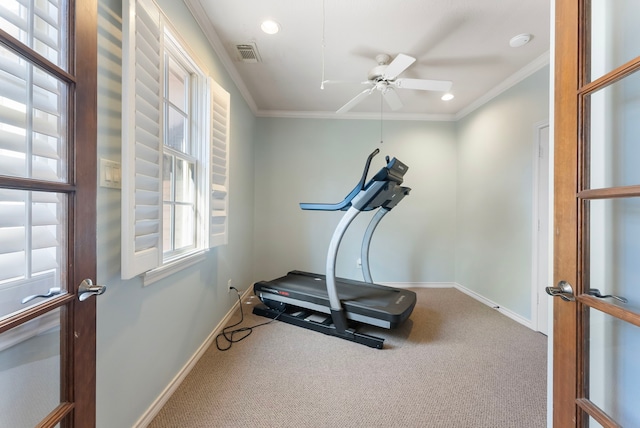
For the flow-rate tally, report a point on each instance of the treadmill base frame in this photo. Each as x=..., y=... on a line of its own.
x=301, y=317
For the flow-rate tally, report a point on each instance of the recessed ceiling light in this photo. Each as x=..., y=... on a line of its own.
x=270, y=27
x=520, y=40
x=447, y=97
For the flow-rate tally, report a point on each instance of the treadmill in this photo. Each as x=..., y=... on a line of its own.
x=337, y=306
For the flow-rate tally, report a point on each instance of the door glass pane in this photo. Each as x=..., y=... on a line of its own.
x=46, y=33
x=615, y=249
x=593, y=423
x=32, y=242
x=30, y=371
x=614, y=127
x=614, y=372
x=33, y=117
x=614, y=34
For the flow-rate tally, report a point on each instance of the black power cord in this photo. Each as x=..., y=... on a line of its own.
x=229, y=336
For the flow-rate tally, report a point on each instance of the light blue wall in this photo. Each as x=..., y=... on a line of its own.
x=311, y=160
x=145, y=335
x=495, y=194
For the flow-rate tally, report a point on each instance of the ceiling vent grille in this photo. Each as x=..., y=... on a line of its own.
x=248, y=52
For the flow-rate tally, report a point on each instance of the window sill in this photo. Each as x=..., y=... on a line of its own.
x=172, y=267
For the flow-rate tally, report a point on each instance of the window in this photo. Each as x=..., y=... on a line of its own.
x=180, y=160
x=175, y=149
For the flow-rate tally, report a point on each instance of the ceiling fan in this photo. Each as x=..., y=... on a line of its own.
x=384, y=78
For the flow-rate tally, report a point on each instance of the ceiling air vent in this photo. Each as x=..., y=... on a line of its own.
x=248, y=52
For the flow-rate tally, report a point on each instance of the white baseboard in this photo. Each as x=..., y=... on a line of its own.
x=419, y=284
x=162, y=399
x=525, y=322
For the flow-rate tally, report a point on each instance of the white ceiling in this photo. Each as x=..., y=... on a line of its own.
x=465, y=41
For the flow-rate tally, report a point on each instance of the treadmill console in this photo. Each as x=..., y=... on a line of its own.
x=394, y=171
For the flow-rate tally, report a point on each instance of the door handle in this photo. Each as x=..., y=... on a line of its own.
x=88, y=288
x=596, y=293
x=564, y=290
x=53, y=291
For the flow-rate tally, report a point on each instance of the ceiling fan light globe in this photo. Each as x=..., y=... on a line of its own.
x=381, y=86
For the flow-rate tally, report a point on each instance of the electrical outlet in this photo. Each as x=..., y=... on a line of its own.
x=229, y=285
x=359, y=263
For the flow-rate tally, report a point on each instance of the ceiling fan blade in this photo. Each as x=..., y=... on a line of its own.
x=351, y=104
x=392, y=99
x=397, y=66
x=423, y=84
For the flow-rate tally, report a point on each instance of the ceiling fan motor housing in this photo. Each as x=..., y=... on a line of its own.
x=375, y=74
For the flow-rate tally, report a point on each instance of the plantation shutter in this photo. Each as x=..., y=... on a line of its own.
x=219, y=165
x=142, y=137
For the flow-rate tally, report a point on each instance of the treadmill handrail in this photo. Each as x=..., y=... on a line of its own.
x=363, y=179
x=339, y=206
x=346, y=202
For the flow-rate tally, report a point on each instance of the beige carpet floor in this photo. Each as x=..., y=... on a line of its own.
x=455, y=363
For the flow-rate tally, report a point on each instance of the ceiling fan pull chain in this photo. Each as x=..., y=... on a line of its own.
x=381, y=109
x=323, y=42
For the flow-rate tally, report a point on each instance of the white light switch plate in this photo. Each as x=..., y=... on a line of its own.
x=110, y=174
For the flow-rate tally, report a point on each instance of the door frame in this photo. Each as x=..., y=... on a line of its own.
x=539, y=197
x=84, y=324
x=565, y=207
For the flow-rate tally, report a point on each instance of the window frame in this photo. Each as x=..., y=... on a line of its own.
x=198, y=108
